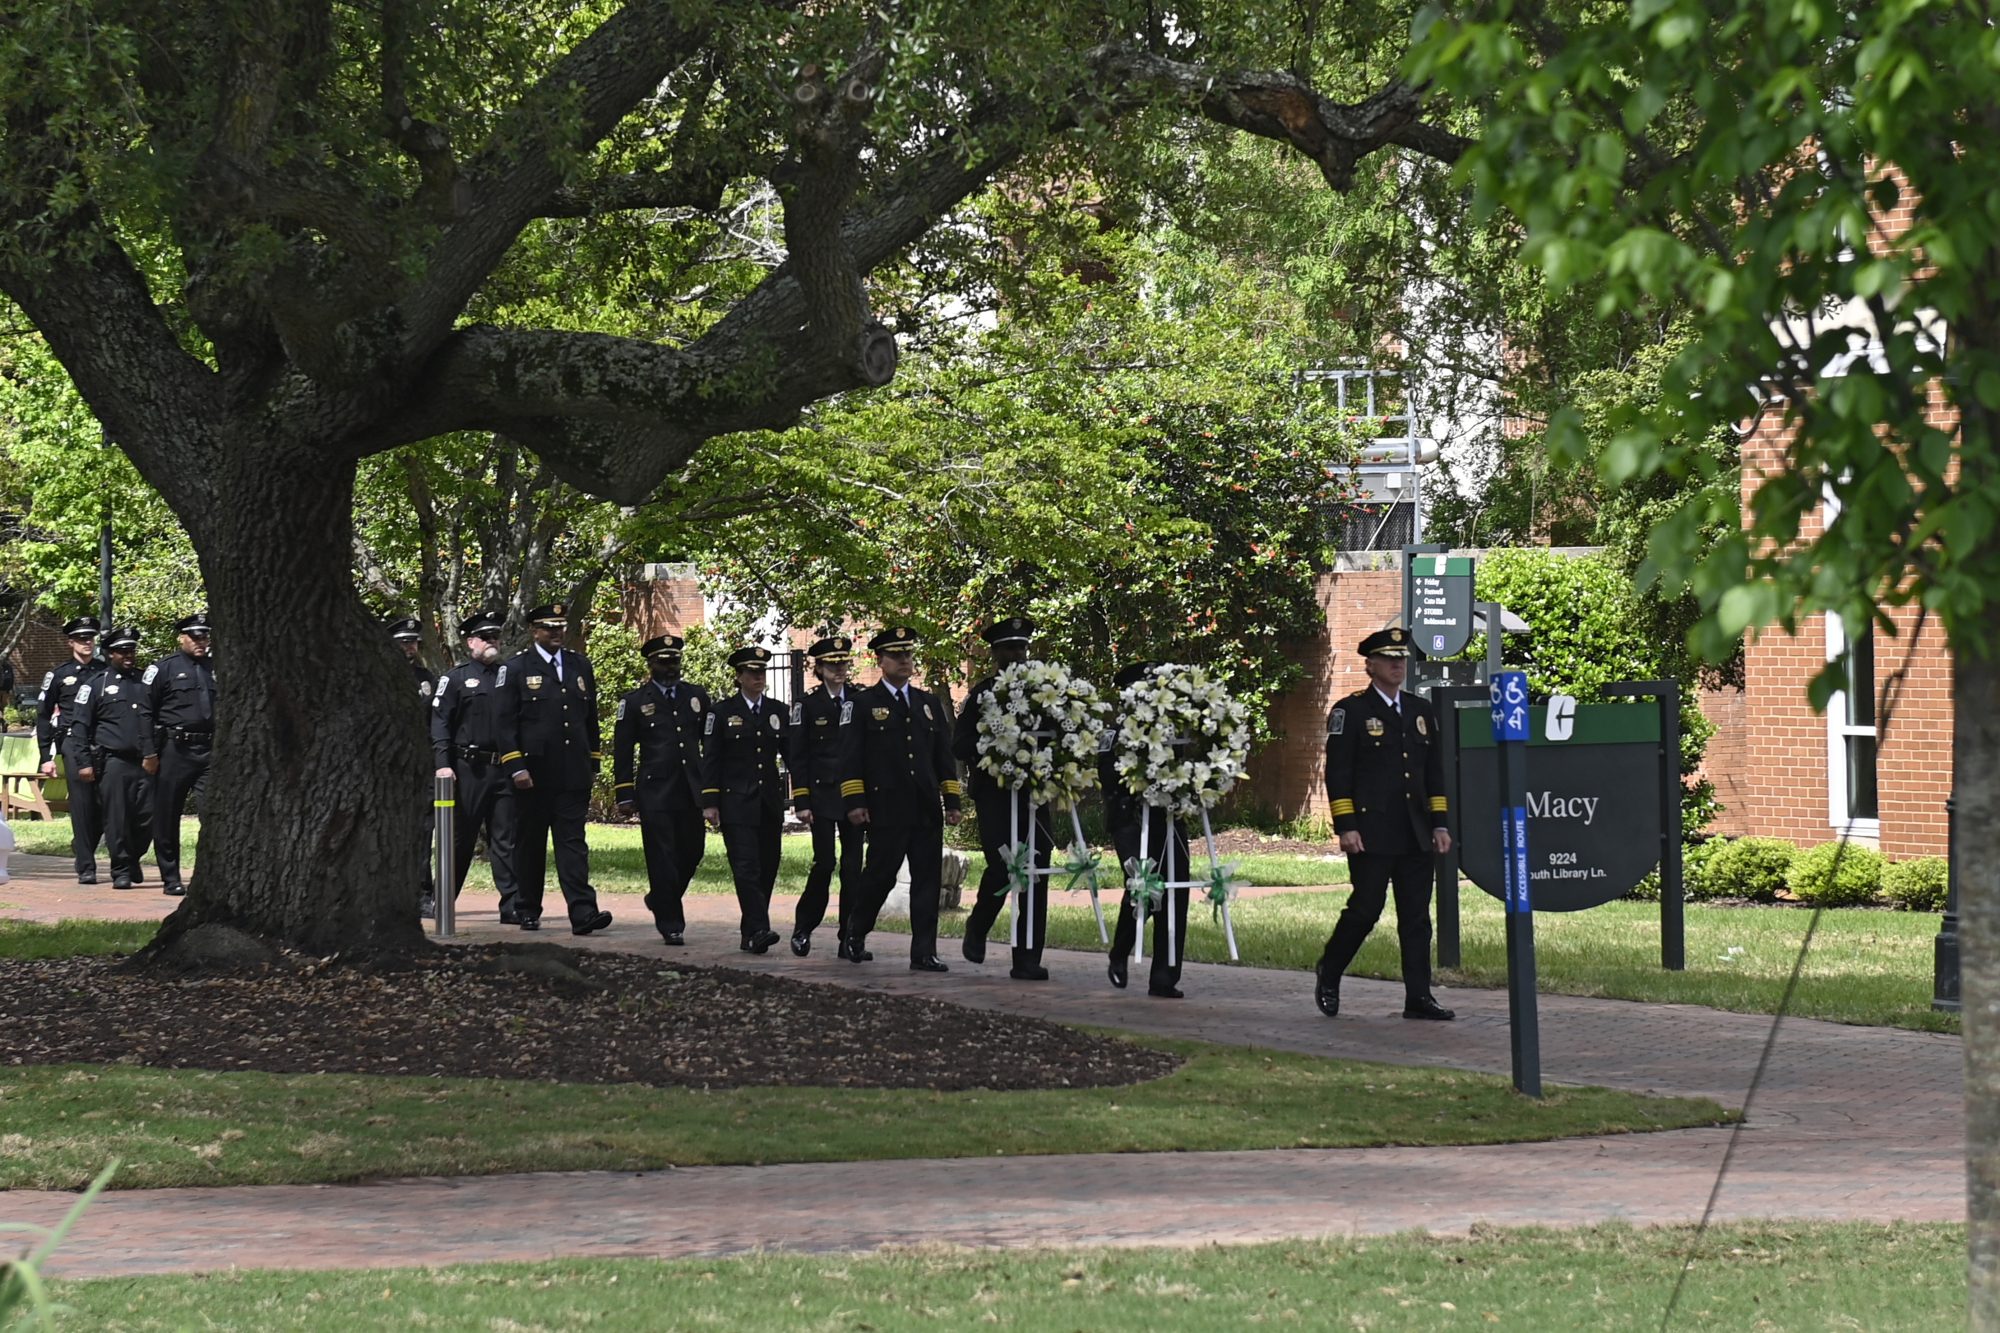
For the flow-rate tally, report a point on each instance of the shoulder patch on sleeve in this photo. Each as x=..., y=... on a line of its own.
x=48, y=680
x=501, y=679
x=424, y=688
x=82, y=695
x=621, y=712
x=798, y=714
x=151, y=672
x=708, y=725
x=846, y=711
x=1336, y=723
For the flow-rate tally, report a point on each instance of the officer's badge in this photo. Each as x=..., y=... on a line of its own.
x=620, y=716
x=1375, y=727
x=708, y=728
x=111, y=689
x=1423, y=728
x=820, y=721
x=69, y=680
x=424, y=689
x=736, y=719
x=777, y=723
x=471, y=682
x=583, y=685
x=695, y=703
x=645, y=710
x=1337, y=723
x=532, y=682
x=500, y=679
x=881, y=714
x=846, y=711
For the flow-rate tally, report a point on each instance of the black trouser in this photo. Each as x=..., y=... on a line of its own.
x=1169, y=915
x=485, y=799
x=86, y=813
x=541, y=811
x=126, y=796
x=996, y=830
x=752, y=846
x=675, y=837
x=828, y=830
x=1370, y=874
x=183, y=776
x=888, y=846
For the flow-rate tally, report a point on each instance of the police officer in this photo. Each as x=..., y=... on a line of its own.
x=897, y=766
x=550, y=747
x=408, y=636
x=180, y=706
x=744, y=743
x=996, y=806
x=465, y=744
x=59, y=740
x=1122, y=819
x=1385, y=788
x=663, y=721
x=111, y=715
x=815, y=764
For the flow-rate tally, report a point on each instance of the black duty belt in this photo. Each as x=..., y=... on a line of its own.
x=473, y=754
x=188, y=736
x=132, y=755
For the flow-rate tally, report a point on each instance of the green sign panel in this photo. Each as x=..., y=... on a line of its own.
x=1440, y=603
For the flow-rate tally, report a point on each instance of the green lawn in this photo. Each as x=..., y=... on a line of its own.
x=195, y=1127
x=1865, y=966
x=1779, y=1277
x=618, y=863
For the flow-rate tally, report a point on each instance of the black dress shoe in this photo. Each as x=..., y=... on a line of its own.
x=173, y=890
x=530, y=923
x=1116, y=971
x=855, y=952
x=974, y=948
x=1423, y=1006
x=930, y=964
x=597, y=920
x=510, y=918
x=89, y=877
x=759, y=941
x=1028, y=973
x=1326, y=990
x=1165, y=992
x=802, y=945
x=121, y=883
x=671, y=937
x=138, y=874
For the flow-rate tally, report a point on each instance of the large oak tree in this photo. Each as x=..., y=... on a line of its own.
x=252, y=230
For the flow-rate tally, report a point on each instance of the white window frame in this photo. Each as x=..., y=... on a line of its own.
x=1837, y=733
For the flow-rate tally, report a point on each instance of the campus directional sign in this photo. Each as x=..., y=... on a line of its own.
x=1440, y=602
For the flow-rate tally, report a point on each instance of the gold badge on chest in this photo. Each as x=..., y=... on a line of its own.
x=1375, y=727
x=532, y=682
x=1422, y=728
x=647, y=709
x=777, y=723
x=695, y=704
x=735, y=721
x=880, y=714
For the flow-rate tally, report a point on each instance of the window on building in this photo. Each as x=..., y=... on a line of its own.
x=1851, y=737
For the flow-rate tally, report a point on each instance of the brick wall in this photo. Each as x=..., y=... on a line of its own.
x=660, y=606
x=1723, y=762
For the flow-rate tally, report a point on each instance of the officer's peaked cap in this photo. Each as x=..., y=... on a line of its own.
x=662, y=645
x=550, y=613
x=833, y=648
x=83, y=627
x=485, y=624
x=1390, y=642
x=406, y=628
x=750, y=659
x=121, y=636
x=194, y=624
x=1013, y=629
x=895, y=639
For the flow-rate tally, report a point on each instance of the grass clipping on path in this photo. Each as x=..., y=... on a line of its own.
x=193, y=1127
x=1818, y=1276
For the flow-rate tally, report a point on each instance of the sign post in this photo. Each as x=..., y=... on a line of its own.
x=1508, y=706
x=445, y=801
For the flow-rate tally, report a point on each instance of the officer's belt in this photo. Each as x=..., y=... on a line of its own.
x=132, y=755
x=189, y=736
x=473, y=754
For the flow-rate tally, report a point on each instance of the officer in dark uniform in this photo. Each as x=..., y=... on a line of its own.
x=465, y=745
x=897, y=767
x=995, y=804
x=550, y=748
x=180, y=704
x=1385, y=788
x=663, y=720
x=408, y=634
x=743, y=789
x=111, y=715
x=1122, y=820
x=59, y=740
x=815, y=765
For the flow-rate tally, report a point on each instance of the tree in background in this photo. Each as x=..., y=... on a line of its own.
x=1815, y=180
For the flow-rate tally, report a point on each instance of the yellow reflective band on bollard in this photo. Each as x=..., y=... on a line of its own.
x=442, y=804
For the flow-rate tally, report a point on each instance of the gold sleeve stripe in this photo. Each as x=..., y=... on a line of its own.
x=597, y=754
x=1343, y=807
x=510, y=756
x=1440, y=803
x=950, y=786
x=621, y=786
x=711, y=791
x=853, y=787
x=801, y=791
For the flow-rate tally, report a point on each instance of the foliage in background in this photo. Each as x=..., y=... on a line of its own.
x=1588, y=629
x=1752, y=868
x=1836, y=874
x=1919, y=884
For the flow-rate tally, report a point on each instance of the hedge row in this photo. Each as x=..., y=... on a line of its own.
x=1830, y=875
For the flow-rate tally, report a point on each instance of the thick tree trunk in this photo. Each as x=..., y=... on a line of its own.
x=317, y=813
x=1976, y=792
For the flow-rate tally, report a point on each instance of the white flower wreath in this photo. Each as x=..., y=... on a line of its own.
x=1039, y=728
x=1182, y=739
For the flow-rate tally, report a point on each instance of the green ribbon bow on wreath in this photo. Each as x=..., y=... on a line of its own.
x=1081, y=863
x=1020, y=861
x=1144, y=881
x=1222, y=887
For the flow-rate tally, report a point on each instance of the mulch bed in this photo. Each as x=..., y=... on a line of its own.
x=542, y=1012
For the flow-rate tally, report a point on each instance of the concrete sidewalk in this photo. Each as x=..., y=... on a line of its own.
x=1848, y=1122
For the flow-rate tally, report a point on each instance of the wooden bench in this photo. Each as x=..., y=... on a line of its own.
x=23, y=789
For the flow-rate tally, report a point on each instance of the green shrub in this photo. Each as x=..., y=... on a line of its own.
x=1753, y=868
x=1697, y=884
x=1837, y=875
x=1918, y=885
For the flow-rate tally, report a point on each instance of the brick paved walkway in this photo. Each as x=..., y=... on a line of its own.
x=1848, y=1123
